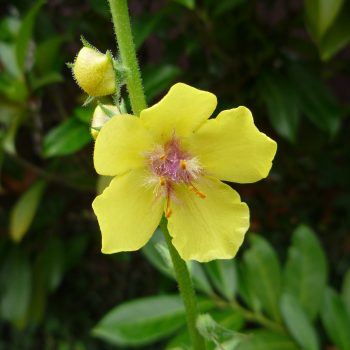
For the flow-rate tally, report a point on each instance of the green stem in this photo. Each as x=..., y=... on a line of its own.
x=186, y=290
x=257, y=317
x=122, y=27
x=121, y=21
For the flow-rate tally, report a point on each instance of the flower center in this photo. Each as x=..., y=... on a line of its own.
x=170, y=165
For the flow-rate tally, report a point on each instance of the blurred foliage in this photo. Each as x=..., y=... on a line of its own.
x=289, y=62
x=254, y=302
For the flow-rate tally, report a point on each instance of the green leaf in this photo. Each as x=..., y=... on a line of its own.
x=233, y=320
x=52, y=260
x=153, y=254
x=84, y=114
x=142, y=321
x=316, y=101
x=25, y=33
x=320, y=14
x=23, y=212
x=199, y=278
x=282, y=104
x=157, y=79
x=190, y=4
x=8, y=59
x=144, y=27
x=17, y=290
x=47, y=79
x=223, y=275
x=306, y=271
x=263, y=274
x=336, y=320
x=266, y=340
x=298, y=323
x=181, y=341
x=225, y=6
x=67, y=138
x=9, y=141
x=345, y=292
x=338, y=36
x=47, y=55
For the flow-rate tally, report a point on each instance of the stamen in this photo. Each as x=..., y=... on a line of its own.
x=168, y=210
x=162, y=181
x=196, y=191
x=183, y=164
x=162, y=157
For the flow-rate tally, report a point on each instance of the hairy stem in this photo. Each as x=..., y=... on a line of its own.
x=122, y=27
x=186, y=290
x=121, y=21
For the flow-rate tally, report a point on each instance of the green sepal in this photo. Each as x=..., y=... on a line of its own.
x=88, y=100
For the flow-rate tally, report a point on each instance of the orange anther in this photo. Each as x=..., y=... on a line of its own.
x=162, y=181
x=168, y=210
x=197, y=192
x=168, y=213
x=162, y=157
x=183, y=164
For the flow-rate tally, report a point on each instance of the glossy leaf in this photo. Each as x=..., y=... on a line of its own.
x=47, y=55
x=346, y=290
x=316, y=101
x=336, y=320
x=8, y=59
x=266, y=340
x=25, y=34
x=52, y=259
x=263, y=275
x=298, y=323
x=157, y=79
x=225, y=6
x=187, y=3
x=142, y=321
x=306, y=271
x=282, y=104
x=223, y=276
x=47, y=79
x=338, y=36
x=199, y=278
x=144, y=26
x=321, y=14
x=23, y=212
x=16, y=295
x=153, y=254
x=67, y=138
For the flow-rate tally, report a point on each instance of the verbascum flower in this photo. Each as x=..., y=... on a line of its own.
x=171, y=160
x=94, y=72
x=101, y=116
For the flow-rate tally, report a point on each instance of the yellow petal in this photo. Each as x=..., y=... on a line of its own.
x=231, y=147
x=128, y=213
x=121, y=145
x=181, y=110
x=208, y=228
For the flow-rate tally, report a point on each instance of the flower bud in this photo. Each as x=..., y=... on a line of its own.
x=94, y=72
x=101, y=116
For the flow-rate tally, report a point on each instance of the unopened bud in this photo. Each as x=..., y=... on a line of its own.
x=101, y=116
x=94, y=72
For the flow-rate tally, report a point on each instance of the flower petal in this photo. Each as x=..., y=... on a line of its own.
x=181, y=110
x=120, y=145
x=128, y=213
x=208, y=228
x=231, y=147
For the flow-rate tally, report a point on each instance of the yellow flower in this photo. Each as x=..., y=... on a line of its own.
x=171, y=159
x=94, y=72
